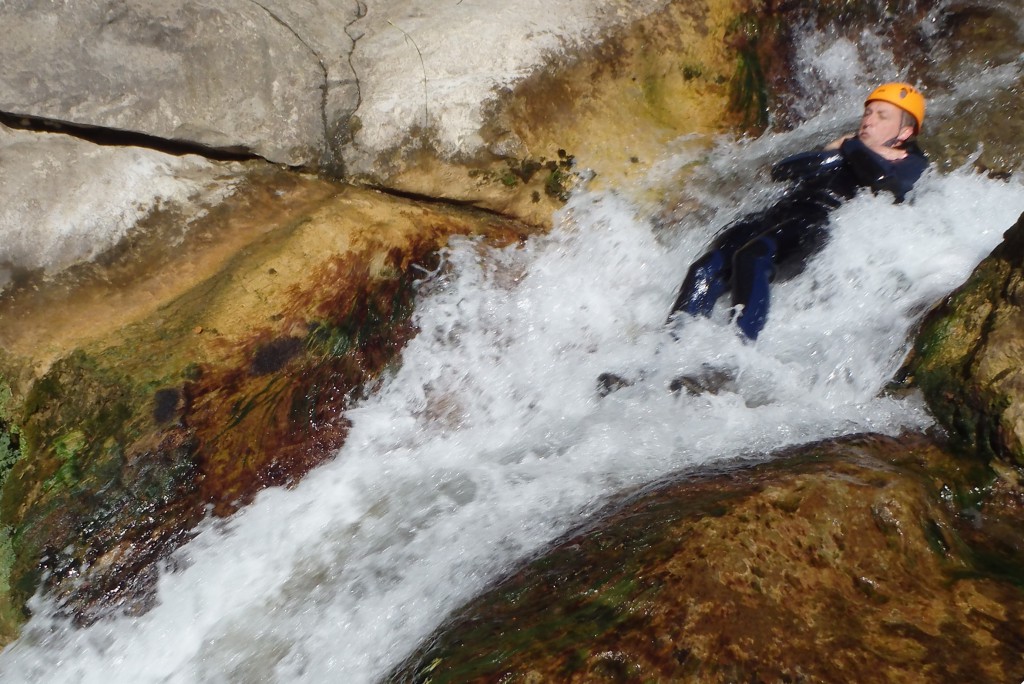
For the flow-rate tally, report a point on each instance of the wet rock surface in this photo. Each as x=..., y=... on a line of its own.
x=223, y=368
x=199, y=325
x=211, y=352
x=867, y=559
x=970, y=353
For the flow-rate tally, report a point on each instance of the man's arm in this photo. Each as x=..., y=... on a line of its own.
x=885, y=168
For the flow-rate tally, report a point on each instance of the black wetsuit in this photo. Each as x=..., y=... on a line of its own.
x=750, y=252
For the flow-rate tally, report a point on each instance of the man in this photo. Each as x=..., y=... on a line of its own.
x=748, y=254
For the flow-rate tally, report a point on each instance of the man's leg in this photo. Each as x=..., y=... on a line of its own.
x=704, y=284
x=709, y=276
x=753, y=271
x=783, y=251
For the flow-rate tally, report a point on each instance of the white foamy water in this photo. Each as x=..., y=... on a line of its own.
x=490, y=441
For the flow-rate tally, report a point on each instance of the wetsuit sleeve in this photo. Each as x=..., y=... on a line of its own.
x=806, y=165
x=898, y=177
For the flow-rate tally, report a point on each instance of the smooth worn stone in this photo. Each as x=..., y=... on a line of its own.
x=65, y=201
x=231, y=75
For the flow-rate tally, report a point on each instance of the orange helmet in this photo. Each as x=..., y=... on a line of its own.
x=903, y=95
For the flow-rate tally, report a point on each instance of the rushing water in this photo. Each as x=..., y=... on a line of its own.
x=490, y=441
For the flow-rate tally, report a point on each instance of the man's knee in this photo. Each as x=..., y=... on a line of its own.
x=754, y=268
x=704, y=284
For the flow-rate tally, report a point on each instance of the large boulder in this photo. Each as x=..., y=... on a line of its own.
x=460, y=101
x=282, y=79
x=255, y=77
x=841, y=562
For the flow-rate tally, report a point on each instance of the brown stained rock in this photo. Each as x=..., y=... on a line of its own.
x=630, y=95
x=174, y=382
x=610, y=108
x=839, y=562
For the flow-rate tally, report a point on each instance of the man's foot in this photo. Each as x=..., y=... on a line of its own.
x=709, y=380
x=610, y=382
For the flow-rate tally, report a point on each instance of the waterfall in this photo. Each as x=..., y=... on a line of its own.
x=490, y=441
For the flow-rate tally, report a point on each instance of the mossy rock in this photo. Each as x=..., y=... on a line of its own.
x=154, y=391
x=969, y=355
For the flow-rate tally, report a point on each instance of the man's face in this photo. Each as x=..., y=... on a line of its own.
x=881, y=123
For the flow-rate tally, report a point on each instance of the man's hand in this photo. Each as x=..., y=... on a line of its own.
x=834, y=145
x=890, y=153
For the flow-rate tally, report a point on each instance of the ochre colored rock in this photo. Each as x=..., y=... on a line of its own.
x=608, y=109
x=839, y=562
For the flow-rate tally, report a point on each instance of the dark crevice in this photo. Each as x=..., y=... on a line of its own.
x=446, y=201
x=330, y=152
x=360, y=13
x=112, y=137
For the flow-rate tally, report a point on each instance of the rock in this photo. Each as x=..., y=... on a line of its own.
x=178, y=378
x=969, y=355
x=839, y=562
x=975, y=36
x=462, y=101
x=230, y=74
x=282, y=80
x=197, y=335
x=568, y=87
x=65, y=201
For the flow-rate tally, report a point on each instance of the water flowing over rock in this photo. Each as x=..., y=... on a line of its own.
x=838, y=562
x=179, y=378
x=183, y=326
x=149, y=322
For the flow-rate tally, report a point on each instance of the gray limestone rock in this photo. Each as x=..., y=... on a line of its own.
x=257, y=77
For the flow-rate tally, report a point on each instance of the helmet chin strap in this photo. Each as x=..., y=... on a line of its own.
x=895, y=141
x=892, y=142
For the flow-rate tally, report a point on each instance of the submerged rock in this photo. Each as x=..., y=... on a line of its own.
x=862, y=560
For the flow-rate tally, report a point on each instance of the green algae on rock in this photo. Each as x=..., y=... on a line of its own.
x=838, y=562
x=969, y=355
x=147, y=398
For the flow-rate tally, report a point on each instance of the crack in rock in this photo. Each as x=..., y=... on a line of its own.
x=361, y=10
x=116, y=137
x=332, y=155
